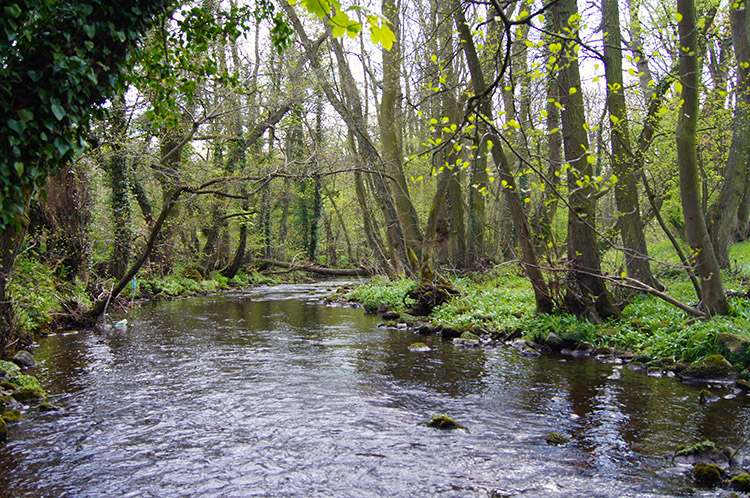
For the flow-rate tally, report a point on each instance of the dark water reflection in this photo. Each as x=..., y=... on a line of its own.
x=268, y=394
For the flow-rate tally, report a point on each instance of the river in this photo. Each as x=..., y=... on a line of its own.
x=267, y=392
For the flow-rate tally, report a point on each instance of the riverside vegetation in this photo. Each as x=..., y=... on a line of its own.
x=499, y=305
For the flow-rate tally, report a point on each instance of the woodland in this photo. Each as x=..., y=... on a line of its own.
x=213, y=139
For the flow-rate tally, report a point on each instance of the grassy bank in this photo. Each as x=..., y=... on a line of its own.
x=501, y=302
x=40, y=296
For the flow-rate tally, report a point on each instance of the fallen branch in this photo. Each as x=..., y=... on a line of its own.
x=320, y=270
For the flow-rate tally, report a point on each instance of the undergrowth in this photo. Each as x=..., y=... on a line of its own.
x=502, y=300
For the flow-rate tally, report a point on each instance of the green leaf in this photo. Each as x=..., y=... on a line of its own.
x=13, y=10
x=58, y=111
x=19, y=168
x=343, y=25
x=380, y=33
x=17, y=126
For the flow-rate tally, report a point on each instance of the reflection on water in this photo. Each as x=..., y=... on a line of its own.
x=268, y=394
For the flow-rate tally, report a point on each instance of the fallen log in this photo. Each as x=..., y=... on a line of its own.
x=320, y=270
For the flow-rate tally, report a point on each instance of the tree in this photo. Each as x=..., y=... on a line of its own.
x=69, y=57
x=714, y=300
x=729, y=214
x=587, y=292
x=626, y=188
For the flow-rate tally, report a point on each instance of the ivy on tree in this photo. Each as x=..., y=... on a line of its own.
x=58, y=62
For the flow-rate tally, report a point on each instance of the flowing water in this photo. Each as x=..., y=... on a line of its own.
x=268, y=393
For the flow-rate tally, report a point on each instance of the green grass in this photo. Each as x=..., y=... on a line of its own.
x=380, y=290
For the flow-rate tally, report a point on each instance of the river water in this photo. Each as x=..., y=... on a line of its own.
x=269, y=393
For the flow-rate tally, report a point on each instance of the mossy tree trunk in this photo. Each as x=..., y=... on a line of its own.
x=727, y=221
x=714, y=300
x=587, y=293
x=626, y=191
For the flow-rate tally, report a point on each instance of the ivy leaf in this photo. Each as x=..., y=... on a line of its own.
x=17, y=126
x=58, y=111
x=13, y=10
x=26, y=115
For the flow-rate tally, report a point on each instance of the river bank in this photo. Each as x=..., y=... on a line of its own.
x=653, y=336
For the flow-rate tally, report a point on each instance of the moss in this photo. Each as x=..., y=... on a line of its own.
x=12, y=416
x=3, y=430
x=11, y=368
x=741, y=482
x=419, y=347
x=695, y=449
x=8, y=386
x=470, y=336
x=708, y=474
x=714, y=367
x=676, y=367
x=23, y=380
x=444, y=422
x=48, y=407
x=556, y=439
x=743, y=384
x=26, y=394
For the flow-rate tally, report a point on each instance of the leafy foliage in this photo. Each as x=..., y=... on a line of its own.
x=58, y=62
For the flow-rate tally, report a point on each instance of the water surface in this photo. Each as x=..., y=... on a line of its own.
x=269, y=393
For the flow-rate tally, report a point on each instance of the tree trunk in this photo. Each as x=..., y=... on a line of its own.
x=390, y=121
x=11, y=242
x=626, y=190
x=587, y=293
x=117, y=167
x=544, y=302
x=714, y=300
x=725, y=219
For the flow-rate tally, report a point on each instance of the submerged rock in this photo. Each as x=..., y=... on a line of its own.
x=12, y=416
x=583, y=349
x=556, y=439
x=654, y=372
x=419, y=347
x=696, y=449
x=708, y=474
x=470, y=336
x=705, y=397
x=48, y=407
x=470, y=343
x=426, y=328
x=556, y=343
x=444, y=422
x=714, y=368
x=26, y=394
x=24, y=359
x=450, y=333
x=530, y=352
x=741, y=482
